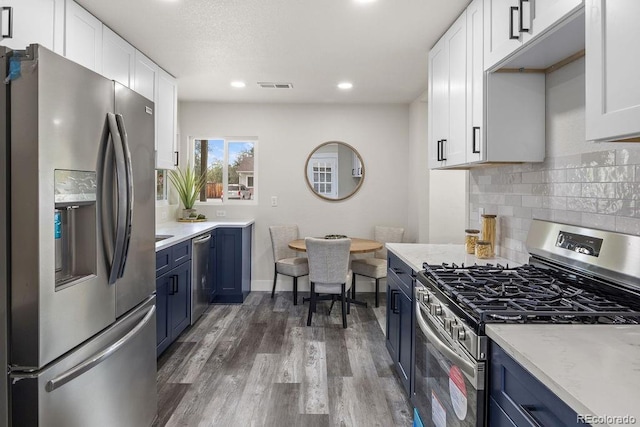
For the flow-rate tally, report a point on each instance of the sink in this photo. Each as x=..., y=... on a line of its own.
x=161, y=237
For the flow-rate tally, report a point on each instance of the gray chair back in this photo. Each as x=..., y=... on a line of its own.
x=281, y=235
x=328, y=260
x=387, y=235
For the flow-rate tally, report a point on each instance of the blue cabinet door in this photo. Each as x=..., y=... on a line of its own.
x=393, y=318
x=163, y=332
x=230, y=266
x=406, y=338
x=179, y=304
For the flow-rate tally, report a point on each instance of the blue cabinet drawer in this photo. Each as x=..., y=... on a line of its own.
x=521, y=398
x=402, y=272
x=171, y=257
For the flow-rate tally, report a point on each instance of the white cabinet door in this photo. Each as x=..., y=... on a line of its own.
x=356, y=170
x=438, y=106
x=145, y=76
x=543, y=14
x=83, y=37
x=475, y=83
x=611, y=70
x=31, y=21
x=118, y=58
x=454, y=147
x=502, y=33
x=166, y=113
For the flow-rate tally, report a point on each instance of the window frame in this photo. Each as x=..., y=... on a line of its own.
x=167, y=188
x=225, y=168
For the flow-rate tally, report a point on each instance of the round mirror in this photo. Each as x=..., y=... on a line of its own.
x=334, y=171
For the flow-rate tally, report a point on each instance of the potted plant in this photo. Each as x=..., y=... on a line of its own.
x=188, y=185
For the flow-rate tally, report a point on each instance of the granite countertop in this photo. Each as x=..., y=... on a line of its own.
x=414, y=254
x=595, y=369
x=181, y=231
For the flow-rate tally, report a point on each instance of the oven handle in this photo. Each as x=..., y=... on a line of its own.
x=465, y=365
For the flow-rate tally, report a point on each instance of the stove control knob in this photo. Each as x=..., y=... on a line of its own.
x=462, y=334
x=448, y=324
x=436, y=310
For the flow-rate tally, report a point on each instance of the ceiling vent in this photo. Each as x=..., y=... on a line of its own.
x=272, y=85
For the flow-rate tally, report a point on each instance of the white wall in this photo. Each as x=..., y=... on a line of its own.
x=287, y=134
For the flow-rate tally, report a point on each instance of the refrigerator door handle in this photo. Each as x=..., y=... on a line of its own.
x=100, y=357
x=129, y=193
x=121, y=184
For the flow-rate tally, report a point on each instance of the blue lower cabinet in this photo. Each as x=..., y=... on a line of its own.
x=173, y=293
x=230, y=264
x=517, y=398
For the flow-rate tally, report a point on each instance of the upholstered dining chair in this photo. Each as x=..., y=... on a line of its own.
x=286, y=260
x=376, y=267
x=329, y=272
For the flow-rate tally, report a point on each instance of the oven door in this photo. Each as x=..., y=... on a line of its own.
x=449, y=385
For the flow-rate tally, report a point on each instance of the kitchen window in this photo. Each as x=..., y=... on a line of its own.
x=230, y=165
x=162, y=189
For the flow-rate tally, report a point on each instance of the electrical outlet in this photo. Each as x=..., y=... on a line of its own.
x=274, y=201
x=221, y=213
x=163, y=215
x=480, y=213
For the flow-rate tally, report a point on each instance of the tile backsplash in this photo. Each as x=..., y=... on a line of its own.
x=599, y=189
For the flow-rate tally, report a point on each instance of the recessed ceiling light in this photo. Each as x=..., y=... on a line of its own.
x=238, y=84
x=345, y=85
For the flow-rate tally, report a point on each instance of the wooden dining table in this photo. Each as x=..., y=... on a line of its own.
x=358, y=246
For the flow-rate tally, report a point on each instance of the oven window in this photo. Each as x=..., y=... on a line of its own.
x=444, y=396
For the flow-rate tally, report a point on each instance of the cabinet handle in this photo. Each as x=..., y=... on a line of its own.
x=527, y=410
x=511, y=15
x=475, y=137
x=9, y=31
x=522, y=29
x=175, y=283
x=394, y=308
x=177, y=162
x=171, y=288
x=439, y=150
x=442, y=155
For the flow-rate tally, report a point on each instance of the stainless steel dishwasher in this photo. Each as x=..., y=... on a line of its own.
x=199, y=287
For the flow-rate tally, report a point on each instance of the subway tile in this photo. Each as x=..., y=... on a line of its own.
x=605, y=222
x=614, y=174
x=610, y=206
x=513, y=200
x=522, y=212
x=541, y=189
x=505, y=210
x=628, y=225
x=628, y=156
x=552, y=176
x=554, y=202
x=599, y=190
x=567, y=217
x=486, y=179
x=581, y=175
x=522, y=189
x=493, y=199
x=507, y=178
x=570, y=189
x=525, y=224
x=532, y=177
x=567, y=162
x=637, y=175
x=544, y=214
x=628, y=190
x=599, y=158
x=532, y=201
x=582, y=204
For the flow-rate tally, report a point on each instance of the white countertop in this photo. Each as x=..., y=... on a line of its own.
x=414, y=254
x=181, y=231
x=595, y=369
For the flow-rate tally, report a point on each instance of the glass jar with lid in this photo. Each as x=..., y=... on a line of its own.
x=471, y=237
x=483, y=249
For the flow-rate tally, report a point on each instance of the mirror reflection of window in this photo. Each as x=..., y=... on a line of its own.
x=334, y=171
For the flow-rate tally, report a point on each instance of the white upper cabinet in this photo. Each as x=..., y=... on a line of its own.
x=166, y=124
x=502, y=29
x=356, y=170
x=32, y=21
x=611, y=70
x=447, y=97
x=475, y=82
x=118, y=58
x=145, y=76
x=511, y=26
x=83, y=37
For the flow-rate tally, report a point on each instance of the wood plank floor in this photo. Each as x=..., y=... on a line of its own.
x=258, y=364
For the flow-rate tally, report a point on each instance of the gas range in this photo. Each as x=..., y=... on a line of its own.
x=571, y=278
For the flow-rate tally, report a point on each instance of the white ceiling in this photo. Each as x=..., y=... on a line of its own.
x=381, y=47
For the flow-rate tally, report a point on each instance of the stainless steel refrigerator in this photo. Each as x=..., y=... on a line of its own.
x=77, y=253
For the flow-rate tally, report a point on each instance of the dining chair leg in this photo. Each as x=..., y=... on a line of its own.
x=295, y=291
x=377, y=290
x=312, y=304
x=343, y=298
x=353, y=286
x=275, y=277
